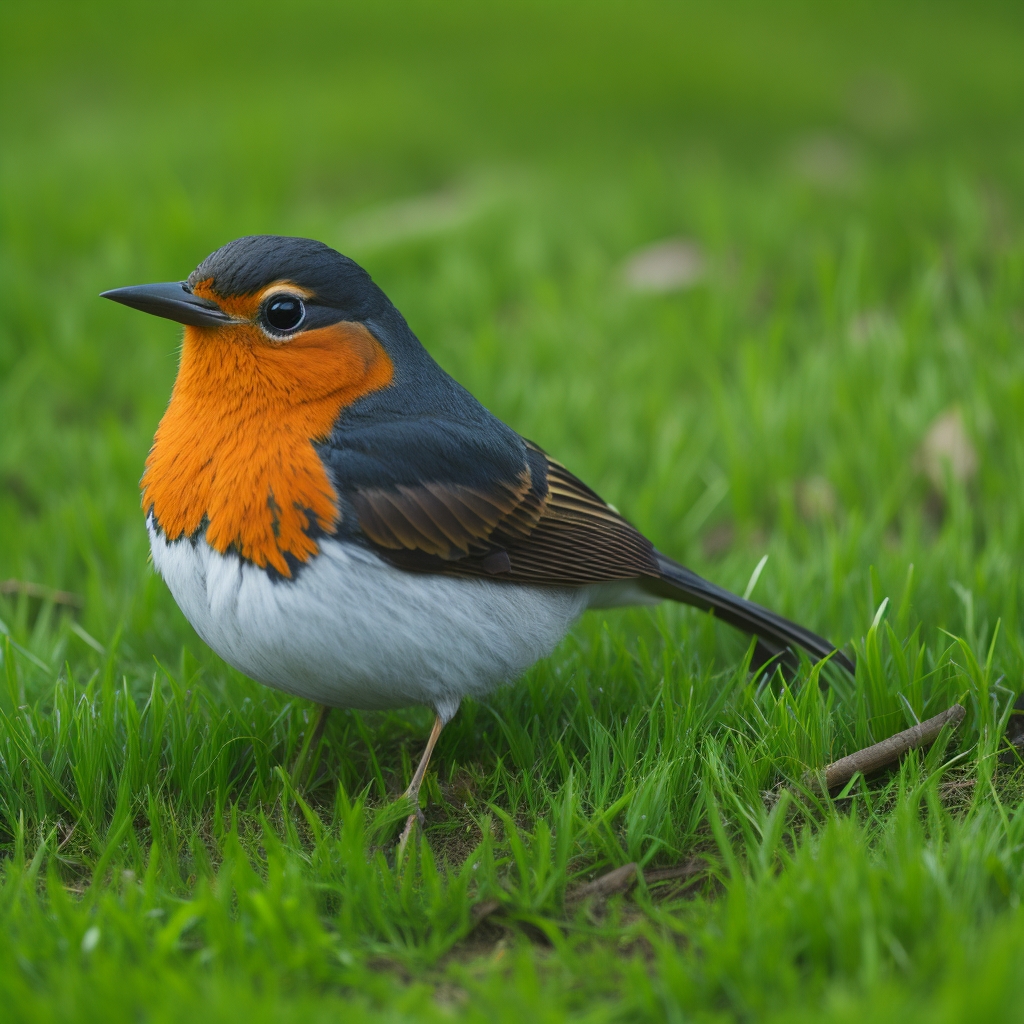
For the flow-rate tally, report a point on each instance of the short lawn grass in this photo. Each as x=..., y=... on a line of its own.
x=835, y=381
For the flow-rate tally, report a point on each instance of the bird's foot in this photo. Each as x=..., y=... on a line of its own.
x=413, y=792
x=410, y=826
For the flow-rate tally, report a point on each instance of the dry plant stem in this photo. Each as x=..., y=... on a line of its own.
x=614, y=881
x=413, y=792
x=485, y=909
x=872, y=758
x=692, y=867
x=310, y=742
x=617, y=880
x=45, y=593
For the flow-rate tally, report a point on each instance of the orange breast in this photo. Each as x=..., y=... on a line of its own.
x=236, y=444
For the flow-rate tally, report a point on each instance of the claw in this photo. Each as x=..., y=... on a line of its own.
x=413, y=792
x=410, y=825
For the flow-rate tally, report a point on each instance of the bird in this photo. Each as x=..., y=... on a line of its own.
x=339, y=519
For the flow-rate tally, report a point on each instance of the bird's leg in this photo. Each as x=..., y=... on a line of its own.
x=310, y=742
x=413, y=792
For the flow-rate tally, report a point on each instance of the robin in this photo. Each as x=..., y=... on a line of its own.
x=341, y=520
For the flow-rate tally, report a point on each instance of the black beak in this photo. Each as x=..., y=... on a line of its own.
x=173, y=301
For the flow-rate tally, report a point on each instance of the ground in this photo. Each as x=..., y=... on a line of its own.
x=757, y=275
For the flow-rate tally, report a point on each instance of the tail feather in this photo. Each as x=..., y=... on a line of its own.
x=776, y=635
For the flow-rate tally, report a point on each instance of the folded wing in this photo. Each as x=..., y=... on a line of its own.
x=544, y=526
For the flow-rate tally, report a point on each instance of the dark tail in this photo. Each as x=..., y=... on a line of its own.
x=776, y=636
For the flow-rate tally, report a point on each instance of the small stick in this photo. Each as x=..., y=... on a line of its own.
x=870, y=759
x=694, y=866
x=621, y=879
x=617, y=880
x=482, y=910
x=38, y=590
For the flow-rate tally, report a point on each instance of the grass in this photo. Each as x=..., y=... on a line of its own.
x=853, y=179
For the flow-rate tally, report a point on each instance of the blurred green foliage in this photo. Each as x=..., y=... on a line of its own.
x=836, y=380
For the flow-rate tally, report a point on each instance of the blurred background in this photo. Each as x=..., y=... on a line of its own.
x=753, y=271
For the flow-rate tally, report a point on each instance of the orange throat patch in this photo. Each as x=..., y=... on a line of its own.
x=235, y=447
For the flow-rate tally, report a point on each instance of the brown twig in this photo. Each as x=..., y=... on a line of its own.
x=482, y=910
x=617, y=880
x=694, y=866
x=623, y=878
x=870, y=759
x=838, y=773
x=44, y=593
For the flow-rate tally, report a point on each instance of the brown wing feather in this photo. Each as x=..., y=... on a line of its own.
x=554, y=531
x=446, y=520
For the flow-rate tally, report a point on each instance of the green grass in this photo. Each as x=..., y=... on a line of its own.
x=855, y=180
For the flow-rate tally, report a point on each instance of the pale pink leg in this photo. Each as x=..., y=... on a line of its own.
x=413, y=792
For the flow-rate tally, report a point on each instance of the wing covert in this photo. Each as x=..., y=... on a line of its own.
x=544, y=527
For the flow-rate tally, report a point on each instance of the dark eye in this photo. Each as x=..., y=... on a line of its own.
x=285, y=312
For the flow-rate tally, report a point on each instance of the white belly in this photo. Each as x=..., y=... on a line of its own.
x=352, y=631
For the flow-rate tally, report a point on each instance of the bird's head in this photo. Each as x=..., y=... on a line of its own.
x=278, y=343
x=269, y=314
x=263, y=289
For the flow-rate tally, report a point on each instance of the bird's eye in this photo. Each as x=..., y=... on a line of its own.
x=284, y=312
